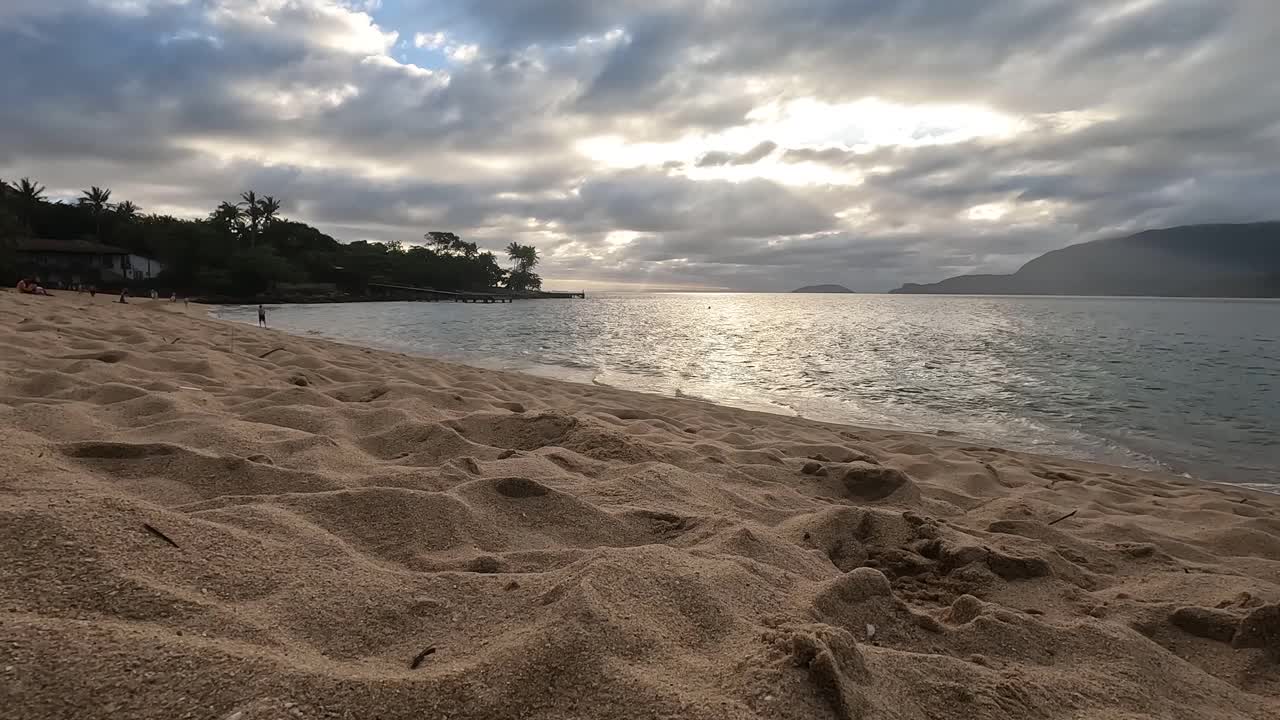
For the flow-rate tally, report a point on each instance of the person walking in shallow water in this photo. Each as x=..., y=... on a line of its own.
x=262, y=316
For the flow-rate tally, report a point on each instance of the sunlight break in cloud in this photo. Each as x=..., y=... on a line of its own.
x=862, y=125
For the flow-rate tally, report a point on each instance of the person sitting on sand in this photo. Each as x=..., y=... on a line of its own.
x=262, y=316
x=30, y=287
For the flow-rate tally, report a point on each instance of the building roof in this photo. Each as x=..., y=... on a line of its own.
x=49, y=245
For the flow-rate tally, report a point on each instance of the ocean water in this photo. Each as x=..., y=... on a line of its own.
x=1188, y=386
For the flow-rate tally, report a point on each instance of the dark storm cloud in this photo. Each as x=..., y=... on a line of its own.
x=1132, y=115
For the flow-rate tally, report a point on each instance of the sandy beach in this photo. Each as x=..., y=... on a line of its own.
x=206, y=520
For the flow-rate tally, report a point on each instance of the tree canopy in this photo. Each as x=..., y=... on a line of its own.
x=246, y=247
x=522, y=277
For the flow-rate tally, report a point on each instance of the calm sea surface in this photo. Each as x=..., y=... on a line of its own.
x=1191, y=386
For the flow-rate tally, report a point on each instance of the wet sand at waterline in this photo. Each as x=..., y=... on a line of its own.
x=204, y=520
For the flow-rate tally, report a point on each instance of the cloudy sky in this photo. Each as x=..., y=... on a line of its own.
x=743, y=144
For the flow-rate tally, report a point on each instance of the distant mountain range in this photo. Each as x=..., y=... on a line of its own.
x=822, y=289
x=1188, y=261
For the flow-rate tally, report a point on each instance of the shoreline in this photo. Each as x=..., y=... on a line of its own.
x=1058, y=450
x=297, y=526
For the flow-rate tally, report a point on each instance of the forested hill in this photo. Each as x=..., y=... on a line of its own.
x=1187, y=261
x=244, y=247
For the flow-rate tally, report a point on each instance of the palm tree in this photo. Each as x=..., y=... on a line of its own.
x=524, y=256
x=126, y=211
x=522, y=276
x=252, y=211
x=228, y=218
x=30, y=195
x=31, y=190
x=269, y=208
x=97, y=200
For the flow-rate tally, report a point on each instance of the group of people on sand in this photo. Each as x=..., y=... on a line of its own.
x=30, y=286
x=155, y=295
x=27, y=286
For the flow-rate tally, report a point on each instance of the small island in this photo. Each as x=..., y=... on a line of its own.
x=822, y=289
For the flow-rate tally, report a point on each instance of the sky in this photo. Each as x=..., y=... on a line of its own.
x=673, y=144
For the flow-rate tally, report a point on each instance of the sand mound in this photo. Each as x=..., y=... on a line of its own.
x=282, y=527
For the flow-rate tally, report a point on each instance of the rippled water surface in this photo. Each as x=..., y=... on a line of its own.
x=1192, y=386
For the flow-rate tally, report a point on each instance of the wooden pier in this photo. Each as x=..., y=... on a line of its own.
x=433, y=295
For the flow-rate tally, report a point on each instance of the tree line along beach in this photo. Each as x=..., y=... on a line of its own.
x=242, y=251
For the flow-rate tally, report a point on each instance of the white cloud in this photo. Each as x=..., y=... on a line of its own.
x=323, y=24
x=439, y=41
x=463, y=53
x=430, y=41
x=294, y=102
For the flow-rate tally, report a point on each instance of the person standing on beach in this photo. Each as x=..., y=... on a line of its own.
x=124, y=296
x=262, y=316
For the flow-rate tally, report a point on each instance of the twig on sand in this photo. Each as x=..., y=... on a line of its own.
x=1064, y=517
x=151, y=529
x=270, y=351
x=417, y=660
x=174, y=341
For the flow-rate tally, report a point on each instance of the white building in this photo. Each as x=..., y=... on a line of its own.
x=138, y=267
x=74, y=262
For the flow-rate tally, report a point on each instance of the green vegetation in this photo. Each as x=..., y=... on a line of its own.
x=522, y=276
x=246, y=248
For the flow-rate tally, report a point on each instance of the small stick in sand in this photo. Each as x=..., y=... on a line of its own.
x=270, y=351
x=417, y=660
x=151, y=529
x=1064, y=517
